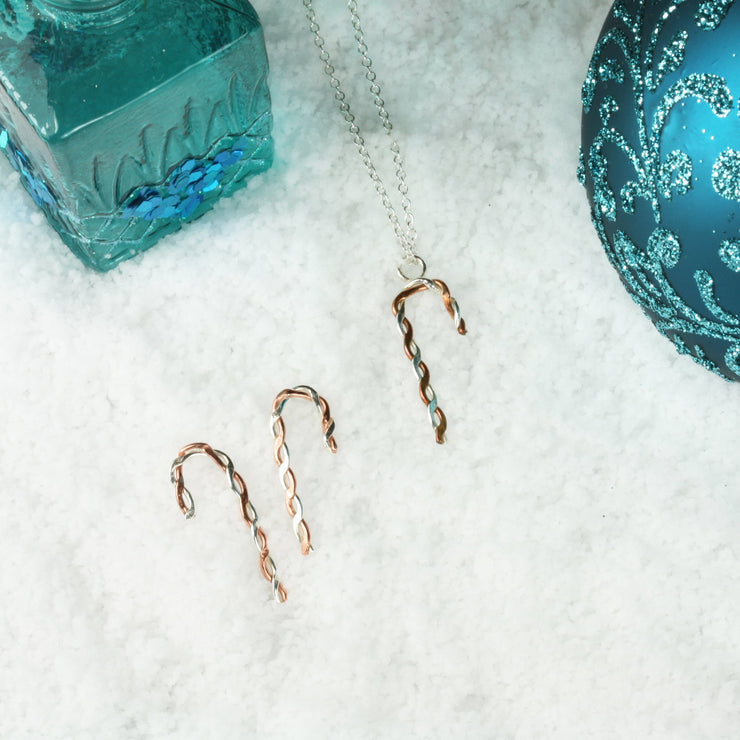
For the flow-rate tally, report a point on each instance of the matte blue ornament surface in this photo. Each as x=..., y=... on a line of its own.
x=660, y=160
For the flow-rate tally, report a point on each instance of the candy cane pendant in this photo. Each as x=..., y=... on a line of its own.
x=427, y=393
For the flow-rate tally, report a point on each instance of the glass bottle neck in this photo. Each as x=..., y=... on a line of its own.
x=90, y=11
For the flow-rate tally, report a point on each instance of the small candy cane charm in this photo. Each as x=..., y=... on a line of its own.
x=281, y=454
x=428, y=396
x=186, y=504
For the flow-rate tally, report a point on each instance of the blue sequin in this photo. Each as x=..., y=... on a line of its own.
x=671, y=59
x=186, y=188
x=34, y=184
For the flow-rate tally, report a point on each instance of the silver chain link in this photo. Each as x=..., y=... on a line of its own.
x=406, y=236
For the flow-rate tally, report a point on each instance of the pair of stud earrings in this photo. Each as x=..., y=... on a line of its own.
x=281, y=456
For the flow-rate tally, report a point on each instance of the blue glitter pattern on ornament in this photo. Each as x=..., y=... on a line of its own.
x=729, y=253
x=664, y=247
x=611, y=70
x=675, y=176
x=187, y=186
x=638, y=63
x=670, y=60
x=712, y=13
x=705, y=283
x=726, y=175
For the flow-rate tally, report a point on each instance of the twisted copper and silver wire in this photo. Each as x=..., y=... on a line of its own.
x=412, y=266
x=186, y=504
x=428, y=396
x=281, y=454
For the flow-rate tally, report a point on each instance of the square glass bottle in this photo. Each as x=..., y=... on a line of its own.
x=127, y=118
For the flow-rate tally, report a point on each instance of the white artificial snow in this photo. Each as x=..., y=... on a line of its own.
x=565, y=567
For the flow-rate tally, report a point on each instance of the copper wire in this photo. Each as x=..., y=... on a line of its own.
x=281, y=454
x=187, y=506
x=428, y=396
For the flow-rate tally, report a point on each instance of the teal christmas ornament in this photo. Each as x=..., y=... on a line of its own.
x=660, y=160
x=126, y=119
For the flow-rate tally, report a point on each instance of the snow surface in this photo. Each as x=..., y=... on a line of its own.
x=565, y=567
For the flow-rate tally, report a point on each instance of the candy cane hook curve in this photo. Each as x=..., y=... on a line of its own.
x=187, y=506
x=281, y=454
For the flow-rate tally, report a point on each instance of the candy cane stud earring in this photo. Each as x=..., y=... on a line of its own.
x=187, y=506
x=282, y=455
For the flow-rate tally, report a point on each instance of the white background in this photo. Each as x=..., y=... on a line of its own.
x=565, y=567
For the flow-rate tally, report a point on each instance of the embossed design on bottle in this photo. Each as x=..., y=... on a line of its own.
x=127, y=119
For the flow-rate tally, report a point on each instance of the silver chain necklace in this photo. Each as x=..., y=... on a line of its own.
x=412, y=268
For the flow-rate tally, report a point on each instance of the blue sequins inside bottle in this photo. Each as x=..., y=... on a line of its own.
x=126, y=119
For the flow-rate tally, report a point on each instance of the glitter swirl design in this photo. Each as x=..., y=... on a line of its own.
x=635, y=54
x=428, y=396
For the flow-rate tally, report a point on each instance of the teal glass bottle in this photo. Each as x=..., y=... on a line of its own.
x=127, y=118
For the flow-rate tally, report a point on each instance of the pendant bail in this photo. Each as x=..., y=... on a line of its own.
x=412, y=267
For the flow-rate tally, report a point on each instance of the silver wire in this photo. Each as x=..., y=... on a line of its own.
x=281, y=454
x=250, y=513
x=419, y=367
x=406, y=237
